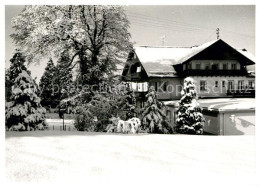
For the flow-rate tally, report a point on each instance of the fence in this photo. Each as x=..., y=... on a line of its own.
x=59, y=124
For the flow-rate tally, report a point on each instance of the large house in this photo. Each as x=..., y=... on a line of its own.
x=218, y=69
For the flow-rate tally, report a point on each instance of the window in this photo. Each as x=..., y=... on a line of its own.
x=234, y=66
x=138, y=69
x=203, y=85
x=223, y=84
x=240, y=84
x=216, y=83
x=224, y=66
x=231, y=85
x=189, y=66
x=197, y=66
x=251, y=84
x=206, y=66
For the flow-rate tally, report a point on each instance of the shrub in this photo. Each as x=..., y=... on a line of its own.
x=84, y=120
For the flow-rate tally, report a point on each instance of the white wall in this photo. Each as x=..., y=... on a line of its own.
x=217, y=91
x=230, y=123
x=239, y=123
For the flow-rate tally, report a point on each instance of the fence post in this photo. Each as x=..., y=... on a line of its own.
x=63, y=121
x=53, y=127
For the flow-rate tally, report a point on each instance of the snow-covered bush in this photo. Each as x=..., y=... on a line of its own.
x=24, y=111
x=189, y=117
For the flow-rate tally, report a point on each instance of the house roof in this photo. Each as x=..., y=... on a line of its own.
x=159, y=61
x=159, y=69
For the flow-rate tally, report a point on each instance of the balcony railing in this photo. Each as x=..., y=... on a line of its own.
x=241, y=72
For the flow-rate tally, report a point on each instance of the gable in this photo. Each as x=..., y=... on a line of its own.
x=222, y=51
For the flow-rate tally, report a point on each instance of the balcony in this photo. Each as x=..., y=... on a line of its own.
x=241, y=72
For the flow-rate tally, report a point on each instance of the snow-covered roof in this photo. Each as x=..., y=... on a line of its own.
x=224, y=104
x=168, y=55
x=247, y=54
x=159, y=60
x=159, y=69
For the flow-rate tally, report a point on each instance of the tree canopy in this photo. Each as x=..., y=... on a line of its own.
x=97, y=37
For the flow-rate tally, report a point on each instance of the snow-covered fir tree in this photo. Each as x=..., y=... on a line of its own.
x=129, y=104
x=24, y=111
x=63, y=77
x=189, y=115
x=16, y=67
x=46, y=84
x=153, y=116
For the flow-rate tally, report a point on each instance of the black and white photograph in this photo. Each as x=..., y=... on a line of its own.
x=129, y=93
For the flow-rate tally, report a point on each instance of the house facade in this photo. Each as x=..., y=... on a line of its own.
x=217, y=68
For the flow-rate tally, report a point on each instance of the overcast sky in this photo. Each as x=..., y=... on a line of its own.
x=178, y=25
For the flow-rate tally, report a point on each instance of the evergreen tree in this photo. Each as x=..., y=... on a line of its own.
x=16, y=67
x=129, y=104
x=24, y=111
x=189, y=117
x=63, y=80
x=153, y=116
x=47, y=86
x=63, y=77
x=8, y=86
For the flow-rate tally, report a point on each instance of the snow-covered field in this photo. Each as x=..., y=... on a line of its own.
x=81, y=156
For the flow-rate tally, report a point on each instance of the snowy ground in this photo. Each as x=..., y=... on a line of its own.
x=80, y=156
